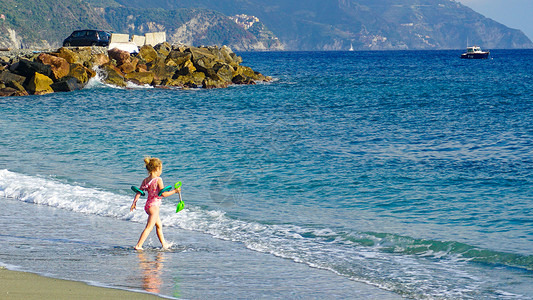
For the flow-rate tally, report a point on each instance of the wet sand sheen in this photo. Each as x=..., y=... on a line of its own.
x=21, y=285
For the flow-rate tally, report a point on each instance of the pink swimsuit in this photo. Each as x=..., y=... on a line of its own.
x=153, y=190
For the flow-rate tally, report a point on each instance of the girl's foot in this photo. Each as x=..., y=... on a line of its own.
x=167, y=246
x=138, y=248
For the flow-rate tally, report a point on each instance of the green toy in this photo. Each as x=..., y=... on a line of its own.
x=181, y=204
x=168, y=188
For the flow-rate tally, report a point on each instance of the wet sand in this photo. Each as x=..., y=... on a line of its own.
x=21, y=285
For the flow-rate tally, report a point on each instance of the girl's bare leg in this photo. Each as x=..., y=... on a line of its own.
x=152, y=219
x=159, y=231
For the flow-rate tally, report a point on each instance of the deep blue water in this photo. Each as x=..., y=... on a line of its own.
x=410, y=171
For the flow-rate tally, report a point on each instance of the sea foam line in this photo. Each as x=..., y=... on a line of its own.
x=391, y=262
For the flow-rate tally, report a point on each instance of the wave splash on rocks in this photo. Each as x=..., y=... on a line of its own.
x=164, y=65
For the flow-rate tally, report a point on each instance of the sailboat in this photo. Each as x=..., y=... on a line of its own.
x=351, y=47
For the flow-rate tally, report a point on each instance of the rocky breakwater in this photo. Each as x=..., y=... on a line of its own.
x=69, y=69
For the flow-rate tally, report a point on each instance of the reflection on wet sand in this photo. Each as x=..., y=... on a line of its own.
x=151, y=268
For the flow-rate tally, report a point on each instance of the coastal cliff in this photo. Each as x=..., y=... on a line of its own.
x=164, y=66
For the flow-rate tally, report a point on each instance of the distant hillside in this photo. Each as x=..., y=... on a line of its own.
x=192, y=27
x=367, y=24
x=42, y=23
x=45, y=23
x=299, y=24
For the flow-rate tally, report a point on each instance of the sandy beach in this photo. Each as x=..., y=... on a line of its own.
x=21, y=285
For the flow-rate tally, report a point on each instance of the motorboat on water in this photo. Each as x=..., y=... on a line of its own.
x=475, y=52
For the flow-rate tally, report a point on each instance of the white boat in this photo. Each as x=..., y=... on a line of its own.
x=475, y=52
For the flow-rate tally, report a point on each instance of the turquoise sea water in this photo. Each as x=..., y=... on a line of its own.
x=383, y=173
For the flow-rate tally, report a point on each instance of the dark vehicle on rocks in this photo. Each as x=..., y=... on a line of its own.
x=88, y=38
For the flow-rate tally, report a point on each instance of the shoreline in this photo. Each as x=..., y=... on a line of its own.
x=24, y=285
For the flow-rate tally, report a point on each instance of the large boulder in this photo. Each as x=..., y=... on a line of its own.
x=205, y=65
x=186, y=68
x=210, y=83
x=120, y=56
x=148, y=53
x=198, y=53
x=39, y=84
x=163, y=48
x=67, y=84
x=18, y=86
x=140, y=77
x=7, y=92
x=81, y=73
x=60, y=67
x=226, y=52
x=28, y=68
x=162, y=72
x=250, y=73
x=70, y=56
x=99, y=59
x=241, y=79
x=112, y=75
x=129, y=66
x=6, y=76
x=224, y=71
x=178, y=57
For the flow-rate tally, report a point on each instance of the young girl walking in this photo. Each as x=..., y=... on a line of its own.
x=153, y=184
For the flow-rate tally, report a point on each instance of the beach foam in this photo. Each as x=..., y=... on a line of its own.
x=426, y=267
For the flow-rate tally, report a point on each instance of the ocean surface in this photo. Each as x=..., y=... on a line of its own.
x=371, y=175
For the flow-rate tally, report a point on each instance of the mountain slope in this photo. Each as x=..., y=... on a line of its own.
x=42, y=23
x=367, y=24
x=45, y=23
x=191, y=27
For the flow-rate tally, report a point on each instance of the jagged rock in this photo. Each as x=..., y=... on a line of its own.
x=241, y=79
x=201, y=53
x=60, y=67
x=140, y=77
x=67, y=84
x=148, y=53
x=120, y=56
x=99, y=59
x=186, y=69
x=16, y=85
x=81, y=73
x=141, y=68
x=112, y=75
x=28, y=68
x=248, y=72
x=236, y=59
x=39, y=84
x=6, y=76
x=162, y=71
x=209, y=67
x=70, y=56
x=7, y=92
x=204, y=65
x=178, y=57
x=130, y=66
x=224, y=71
x=210, y=83
x=163, y=48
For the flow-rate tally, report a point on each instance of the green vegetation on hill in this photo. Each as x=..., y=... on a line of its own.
x=43, y=22
x=190, y=26
x=46, y=23
x=367, y=24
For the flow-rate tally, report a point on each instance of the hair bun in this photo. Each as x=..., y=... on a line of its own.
x=147, y=160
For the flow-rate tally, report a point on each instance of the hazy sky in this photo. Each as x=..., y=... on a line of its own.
x=516, y=14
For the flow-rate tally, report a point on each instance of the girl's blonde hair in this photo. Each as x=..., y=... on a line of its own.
x=152, y=164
